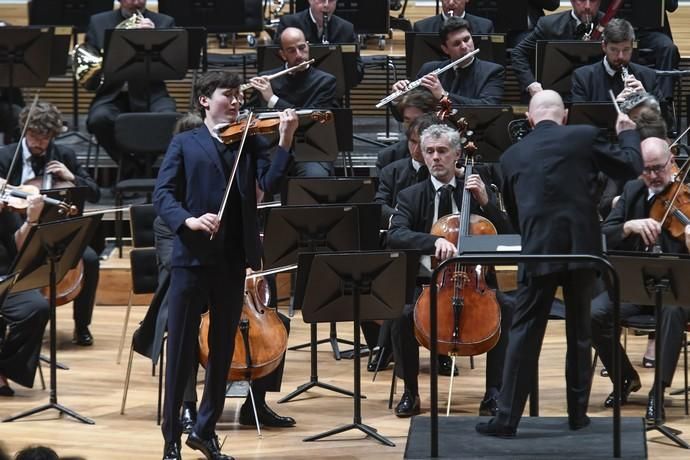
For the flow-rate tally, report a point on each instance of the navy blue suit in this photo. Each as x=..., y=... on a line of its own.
x=192, y=182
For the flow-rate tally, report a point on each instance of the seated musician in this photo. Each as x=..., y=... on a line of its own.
x=40, y=156
x=309, y=88
x=454, y=8
x=629, y=228
x=412, y=105
x=567, y=25
x=333, y=30
x=592, y=83
x=475, y=82
x=659, y=40
x=114, y=98
x=418, y=207
x=24, y=315
x=535, y=10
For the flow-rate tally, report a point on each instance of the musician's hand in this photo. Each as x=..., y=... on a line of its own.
x=34, y=208
x=624, y=123
x=534, y=88
x=433, y=84
x=633, y=84
x=648, y=229
x=59, y=170
x=208, y=223
x=263, y=86
x=687, y=236
x=400, y=85
x=476, y=186
x=444, y=249
x=146, y=23
x=289, y=121
x=459, y=170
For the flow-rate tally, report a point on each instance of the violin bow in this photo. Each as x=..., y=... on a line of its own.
x=679, y=138
x=226, y=197
x=19, y=143
x=680, y=178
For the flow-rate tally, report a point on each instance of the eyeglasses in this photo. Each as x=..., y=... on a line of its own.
x=656, y=169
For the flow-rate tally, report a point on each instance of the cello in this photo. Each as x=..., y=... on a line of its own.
x=469, y=317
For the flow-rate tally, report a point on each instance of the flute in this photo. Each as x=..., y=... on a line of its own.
x=416, y=83
x=298, y=67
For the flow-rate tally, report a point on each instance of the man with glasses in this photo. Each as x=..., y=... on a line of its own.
x=629, y=228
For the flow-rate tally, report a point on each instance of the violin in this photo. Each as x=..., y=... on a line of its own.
x=468, y=314
x=672, y=208
x=15, y=198
x=266, y=123
x=261, y=337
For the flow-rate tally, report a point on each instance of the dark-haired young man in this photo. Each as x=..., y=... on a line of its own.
x=204, y=271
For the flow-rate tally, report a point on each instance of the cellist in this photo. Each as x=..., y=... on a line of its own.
x=418, y=207
x=39, y=156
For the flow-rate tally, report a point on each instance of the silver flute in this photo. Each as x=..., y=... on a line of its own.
x=416, y=83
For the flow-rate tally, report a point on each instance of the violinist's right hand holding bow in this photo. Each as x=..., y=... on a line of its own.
x=208, y=223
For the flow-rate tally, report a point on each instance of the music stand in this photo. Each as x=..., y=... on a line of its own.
x=216, y=16
x=422, y=47
x=642, y=13
x=6, y=283
x=23, y=62
x=556, y=61
x=49, y=251
x=331, y=190
x=507, y=15
x=490, y=127
x=148, y=55
x=655, y=279
x=600, y=114
x=355, y=287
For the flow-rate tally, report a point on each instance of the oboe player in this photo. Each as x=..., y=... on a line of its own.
x=474, y=82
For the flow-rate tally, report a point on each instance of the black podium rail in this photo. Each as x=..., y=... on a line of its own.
x=493, y=258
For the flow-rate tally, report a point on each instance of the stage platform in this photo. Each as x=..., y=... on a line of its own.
x=538, y=438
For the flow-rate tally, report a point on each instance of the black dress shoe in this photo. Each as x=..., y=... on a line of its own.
x=209, y=447
x=188, y=418
x=445, y=364
x=578, y=423
x=491, y=428
x=266, y=417
x=488, y=406
x=629, y=386
x=408, y=406
x=171, y=451
x=384, y=358
x=652, y=411
x=82, y=336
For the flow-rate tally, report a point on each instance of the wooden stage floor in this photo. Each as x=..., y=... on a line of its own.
x=93, y=388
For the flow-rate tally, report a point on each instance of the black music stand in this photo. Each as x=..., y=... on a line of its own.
x=315, y=141
x=507, y=15
x=422, y=47
x=642, y=13
x=355, y=287
x=556, y=61
x=49, y=251
x=6, y=283
x=76, y=15
x=148, y=55
x=600, y=114
x=22, y=57
x=490, y=127
x=331, y=190
x=215, y=16
x=655, y=279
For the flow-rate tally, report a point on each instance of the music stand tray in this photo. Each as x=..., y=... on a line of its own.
x=655, y=279
x=49, y=251
x=319, y=190
x=355, y=287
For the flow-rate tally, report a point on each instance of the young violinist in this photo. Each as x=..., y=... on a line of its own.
x=189, y=191
x=417, y=208
x=25, y=314
x=40, y=157
x=629, y=227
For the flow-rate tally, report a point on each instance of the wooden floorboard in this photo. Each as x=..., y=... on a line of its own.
x=93, y=388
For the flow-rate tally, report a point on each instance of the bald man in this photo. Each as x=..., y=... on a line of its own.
x=546, y=189
x=629, y=228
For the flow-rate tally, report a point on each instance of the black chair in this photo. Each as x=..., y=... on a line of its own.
x=144, y=136
x=144, y=266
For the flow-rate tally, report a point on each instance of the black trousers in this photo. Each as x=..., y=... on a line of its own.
x=101, y=120
x=670, y=337
x=26, y=315
x=532, y=305
x=191, y=288
x=83, y=303
x=406, y=348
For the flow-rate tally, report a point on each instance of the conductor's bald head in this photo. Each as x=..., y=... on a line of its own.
x=547, y=105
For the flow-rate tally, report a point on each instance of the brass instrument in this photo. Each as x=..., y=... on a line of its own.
x=87, y=61
x=297, y=68
x=393, y=96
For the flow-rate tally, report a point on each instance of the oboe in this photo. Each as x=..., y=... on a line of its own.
x=324, y=37
x=416, y=83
